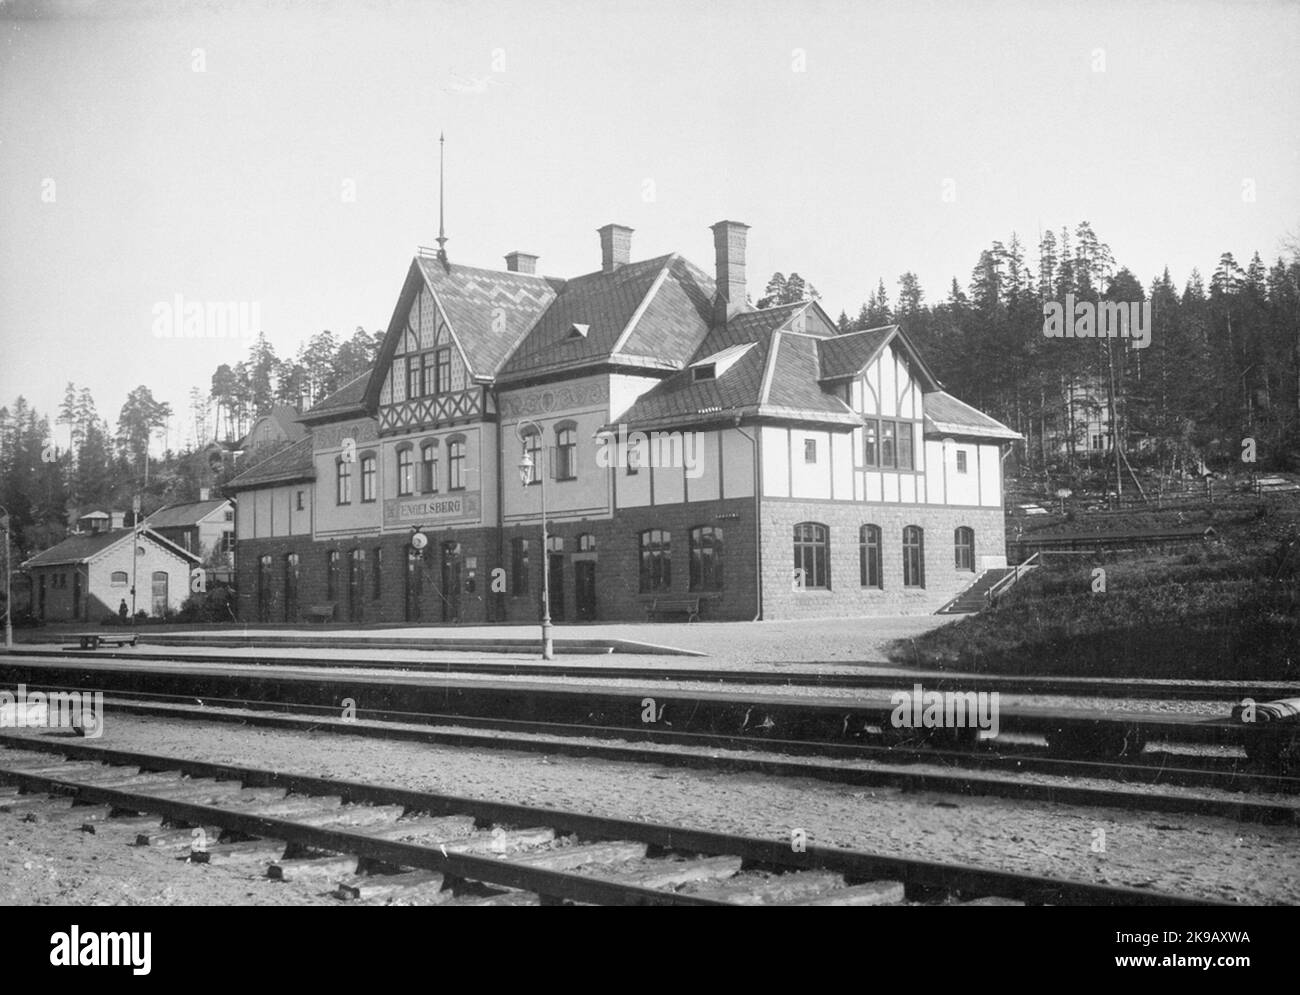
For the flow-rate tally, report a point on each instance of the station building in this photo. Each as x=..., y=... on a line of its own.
x=697, y=453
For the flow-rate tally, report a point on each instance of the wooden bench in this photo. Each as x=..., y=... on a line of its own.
x=690, y=607
x=93, y=640
x=323, y=612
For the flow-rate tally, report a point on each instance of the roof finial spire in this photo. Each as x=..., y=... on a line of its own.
x=442, y=233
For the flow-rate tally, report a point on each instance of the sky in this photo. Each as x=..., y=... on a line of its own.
x=285, y=155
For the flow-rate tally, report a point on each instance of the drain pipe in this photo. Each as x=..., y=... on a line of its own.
x=758, y=522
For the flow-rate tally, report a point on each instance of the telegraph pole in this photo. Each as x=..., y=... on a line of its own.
x=9, y=600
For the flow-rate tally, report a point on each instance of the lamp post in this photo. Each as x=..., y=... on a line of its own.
x=9, y=601
x=526, y=468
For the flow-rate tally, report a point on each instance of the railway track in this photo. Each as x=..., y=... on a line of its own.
x=1078, y=687
x=368, y=842
x=990, y=775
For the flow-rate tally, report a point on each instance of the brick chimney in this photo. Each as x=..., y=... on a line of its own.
x=729, y=253
x=615, y=247
x=521, y=262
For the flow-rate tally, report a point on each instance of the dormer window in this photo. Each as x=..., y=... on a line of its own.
x=578, y=331
x=707, y=371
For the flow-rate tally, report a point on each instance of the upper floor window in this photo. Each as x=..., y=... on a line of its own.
x=119, y=578
x=586, y=543
x=413, y=376
x=299, y=501
x=706, y=558
x=444, y=370
x=343, y=492
x=566, y=452
x=889, y=444
x=405, y=472
x=230, y=514
x=428, y=373
x=963, y=540
x=656, y=566
x=961, y=460
x=429, y=468
x=913, y=556
x=812, y=555
x=456, y=465
x=368, y=473
x=869, y=556
x=533, y=450
x=810, y=450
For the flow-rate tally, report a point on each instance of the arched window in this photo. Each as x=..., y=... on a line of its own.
x=706, y=558
x=405, y=472
x=656, y=561
x=869, y=556
x=367, y=478
x=913, y=556
x=963, y=541
x=429, y=467
x=332, y=574
x=533, y=450
x=812, y=555
x=119, y=578
x=343, y=493
x=566, y=452
x=456, y=465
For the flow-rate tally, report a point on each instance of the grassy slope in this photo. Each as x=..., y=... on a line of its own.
x=1228, y=611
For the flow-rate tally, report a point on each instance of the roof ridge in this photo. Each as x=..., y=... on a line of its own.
x=769, y=368
x=643, y=305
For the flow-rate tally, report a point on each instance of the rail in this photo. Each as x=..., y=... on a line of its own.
x=1009, y=581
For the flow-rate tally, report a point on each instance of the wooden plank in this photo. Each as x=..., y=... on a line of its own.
x=788, y=888
x=424, y=887
x=313, y=868
x=503, y=842
x=584, y=855
x=249, y=853
x=427, y=830
x=873, y=893
x=668, y=874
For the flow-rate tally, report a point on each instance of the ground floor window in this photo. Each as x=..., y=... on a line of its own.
x=869, y=556
x=964, y=547
x=706, y=558
x=519, y=566
x=812, y=555
x=656, y=560
x=913, y=556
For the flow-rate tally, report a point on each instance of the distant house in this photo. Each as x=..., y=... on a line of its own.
x=86, y=577
x=205, y=528
x=101, y=521
x=274, y=430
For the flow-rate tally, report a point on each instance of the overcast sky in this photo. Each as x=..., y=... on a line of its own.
x=830, y=127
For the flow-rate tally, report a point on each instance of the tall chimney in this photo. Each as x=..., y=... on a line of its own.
x=521, y=262
x=729, y=253
x=615, y=247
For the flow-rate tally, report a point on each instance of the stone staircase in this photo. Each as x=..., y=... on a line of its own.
x=976, y=597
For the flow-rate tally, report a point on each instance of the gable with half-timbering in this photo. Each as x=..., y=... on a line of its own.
x=427, y=381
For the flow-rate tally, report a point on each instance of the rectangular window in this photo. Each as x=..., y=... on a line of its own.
x=566, y=452
x=412, y=376
x=344, y=493
x=964, y=548
x=300, y=508
x=961, y=461
x=378, y=575
x=228, y=543
x=905, y=450
x=810, y=450
x=871, y=447
x=456, y=466
x=444, y=370
x=519, y=566
x=332, y=575
x=428, y=373
x=888, y=450
x=706, y=558
x=656, y=567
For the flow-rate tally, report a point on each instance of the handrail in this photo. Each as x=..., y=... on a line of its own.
x=1010, y=578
